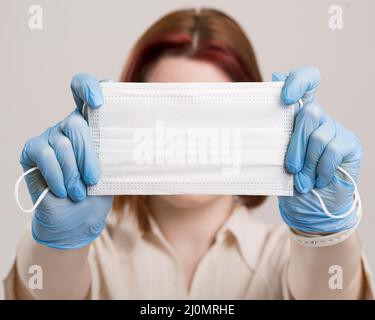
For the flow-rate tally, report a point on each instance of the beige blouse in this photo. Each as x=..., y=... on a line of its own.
x=247, y=261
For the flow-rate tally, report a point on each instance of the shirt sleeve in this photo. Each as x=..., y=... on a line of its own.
x=368, y=288
x=9, y=280
x=9, y=283
x=270, y=280
x=98, y=285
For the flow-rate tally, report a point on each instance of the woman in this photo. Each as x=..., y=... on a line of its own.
x=190, y=246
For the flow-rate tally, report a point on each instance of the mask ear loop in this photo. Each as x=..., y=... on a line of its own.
x=16, y=189
x=356, y=200
x=45, y=191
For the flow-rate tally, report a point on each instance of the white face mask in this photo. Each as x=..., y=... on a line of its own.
x=192, y=138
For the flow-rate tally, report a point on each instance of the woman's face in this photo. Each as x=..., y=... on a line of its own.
x=183, y=69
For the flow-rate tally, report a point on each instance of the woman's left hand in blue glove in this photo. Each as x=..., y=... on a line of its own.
x=318, y=146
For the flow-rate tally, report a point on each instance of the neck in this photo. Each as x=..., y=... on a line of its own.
x=196, y=225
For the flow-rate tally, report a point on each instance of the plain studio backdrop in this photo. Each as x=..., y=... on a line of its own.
x=95, y=37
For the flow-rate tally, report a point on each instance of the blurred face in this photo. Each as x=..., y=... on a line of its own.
x=183, y=69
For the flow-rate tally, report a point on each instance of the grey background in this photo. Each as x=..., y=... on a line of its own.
x=95, y=37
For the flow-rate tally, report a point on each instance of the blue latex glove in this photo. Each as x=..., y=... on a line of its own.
x=67, y=218
x=318, y=145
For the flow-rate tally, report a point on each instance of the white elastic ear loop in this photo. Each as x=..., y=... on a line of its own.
x=45, y=191
x=356, y=199
x=16, y=188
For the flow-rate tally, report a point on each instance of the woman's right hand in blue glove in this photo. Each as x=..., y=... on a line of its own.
x=67, y=218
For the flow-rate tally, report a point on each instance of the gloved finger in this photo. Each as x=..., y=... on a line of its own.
x=305, y=179
x=86, y=89
x=300, y=83
x=307, y=121
x=278, y=76
x=65, y=156
x=345, y=147
x=37, y=152
x=76, y=129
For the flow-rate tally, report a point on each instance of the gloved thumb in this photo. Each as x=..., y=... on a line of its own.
x=301, y=84
x=86, y=90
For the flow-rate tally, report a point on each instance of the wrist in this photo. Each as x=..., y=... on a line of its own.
x=327, y=239
x=65, y=238
x=321, y=225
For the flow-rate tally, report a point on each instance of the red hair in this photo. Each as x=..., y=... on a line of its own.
x=182, y=44
x=208, y=35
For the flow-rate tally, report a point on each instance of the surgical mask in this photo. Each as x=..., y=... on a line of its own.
x=192, y=138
